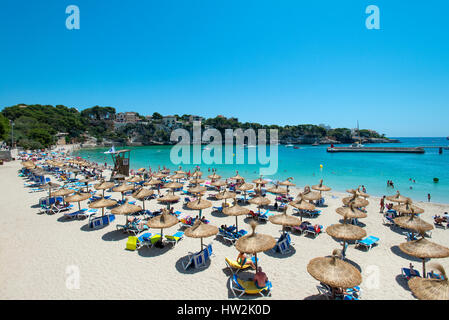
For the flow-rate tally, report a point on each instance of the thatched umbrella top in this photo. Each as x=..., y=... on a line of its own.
x=214, y=176
x=397, y=198
x=201, y=230
x=197, y=174
x=245, y=187
x=413, y=222
x=199, y=204
x=28, y=164
x=423, y=248
x=77, y=197
x=159, y=175
x=277, y=190
x=260, y=181
x=334, y=272
x=407, y=208
x=142, y=193
x=102, y=203
x=86, y=180
x=321, y=187
x=235, y=210
x=103, y=185
x=135, y=179
x=153, y=182
x=302, y=204
x=346, y=231
x=310, y=195
x=196, y=181
x=51, y=185
x=169, y=198
x=225, y=195
x=355, y=201
x=197, y=189
x=237, y=176
x=431, y=289
x=284, y=219
x=180, y=171
x=255, y=242
x=259, y=201
x=351, y=212
x=165, y=220
x=287, y=182
x=123, y=187
x=172, y=185
x=63, y=192
x=126, y=208
x=218, y=183
x=178, y=176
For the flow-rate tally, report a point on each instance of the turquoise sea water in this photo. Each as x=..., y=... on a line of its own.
x=340, y=171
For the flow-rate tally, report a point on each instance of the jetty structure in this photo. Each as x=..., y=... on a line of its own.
x=376, y=149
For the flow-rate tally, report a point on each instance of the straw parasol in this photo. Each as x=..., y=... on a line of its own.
x=169, y=198
x=236, y=211
x=126, y=209
x=199, y=204
x=51, y=185
x=413, y=222
x=309, y=195
x=287, y=183
x=255, y=242
x=102, y=203
x=197, y=174
x=320, y=187
x=163, y=221
x=225, y=195
x=103, y=185
x=77, y=197
x=63, y=192
x=408, y=208
x=334, y=272
x=431, y=289
x=351, y=212
x=141, y=194
x=214, y=176
x=355, y=201
x=397, y=198
x=284, y=219
x=424, y=249
x=123, y=188
x=259, y=201
x=197, y=181
x=177, y=176
x=153, y=182
x=302, y=204
x=201, y=230
x=260, y=181
x=135, y=179
x=345, y=232
x=245, y=187
x=197, y=189
x=172, y=185
x=237, y=177
x=277, y=190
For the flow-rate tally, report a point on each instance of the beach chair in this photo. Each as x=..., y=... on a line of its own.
x=283, y=244
x=433, y=275
x=101, y=221
x=218, y=209
x=264, y=216
x=174, y=239
x=312, y=213
x=240, y=287
x=406, y=273
x=139, y=242
x=312, y=230
x=73, y=215
x=87, y=214
x=61, y=208
x=410, y=236
x=367, y=243
x=234, y=265
x=226, y=236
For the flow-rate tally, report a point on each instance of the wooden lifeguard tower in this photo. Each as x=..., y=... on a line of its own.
x=121, y=161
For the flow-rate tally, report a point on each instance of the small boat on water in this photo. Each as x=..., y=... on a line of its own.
x=315, y=143
x=288, y=145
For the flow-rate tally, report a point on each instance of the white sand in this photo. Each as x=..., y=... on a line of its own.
x=37, y=250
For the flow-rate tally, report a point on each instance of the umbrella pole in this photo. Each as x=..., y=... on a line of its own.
x=201, y=244
x=424, y=267
x=236, y=225
x=79, y=206
x=255, y=258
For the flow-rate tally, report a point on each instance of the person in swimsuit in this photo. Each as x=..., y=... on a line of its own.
x=260, y=279
x=242, y=260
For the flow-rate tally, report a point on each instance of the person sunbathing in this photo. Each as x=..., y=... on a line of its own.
x=412, y=270
x=260, y=279
x=242, y=260
x=317, y=228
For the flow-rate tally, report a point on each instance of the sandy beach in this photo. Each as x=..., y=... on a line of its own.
x=41, y=252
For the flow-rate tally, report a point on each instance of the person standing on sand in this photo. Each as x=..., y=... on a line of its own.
x=382, y=204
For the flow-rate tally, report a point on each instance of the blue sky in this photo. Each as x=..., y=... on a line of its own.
x=273, y=62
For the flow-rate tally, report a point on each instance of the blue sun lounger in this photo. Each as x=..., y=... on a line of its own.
x=405, y=272
x=101, y=221
x=174, y=239
x=368, y=242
